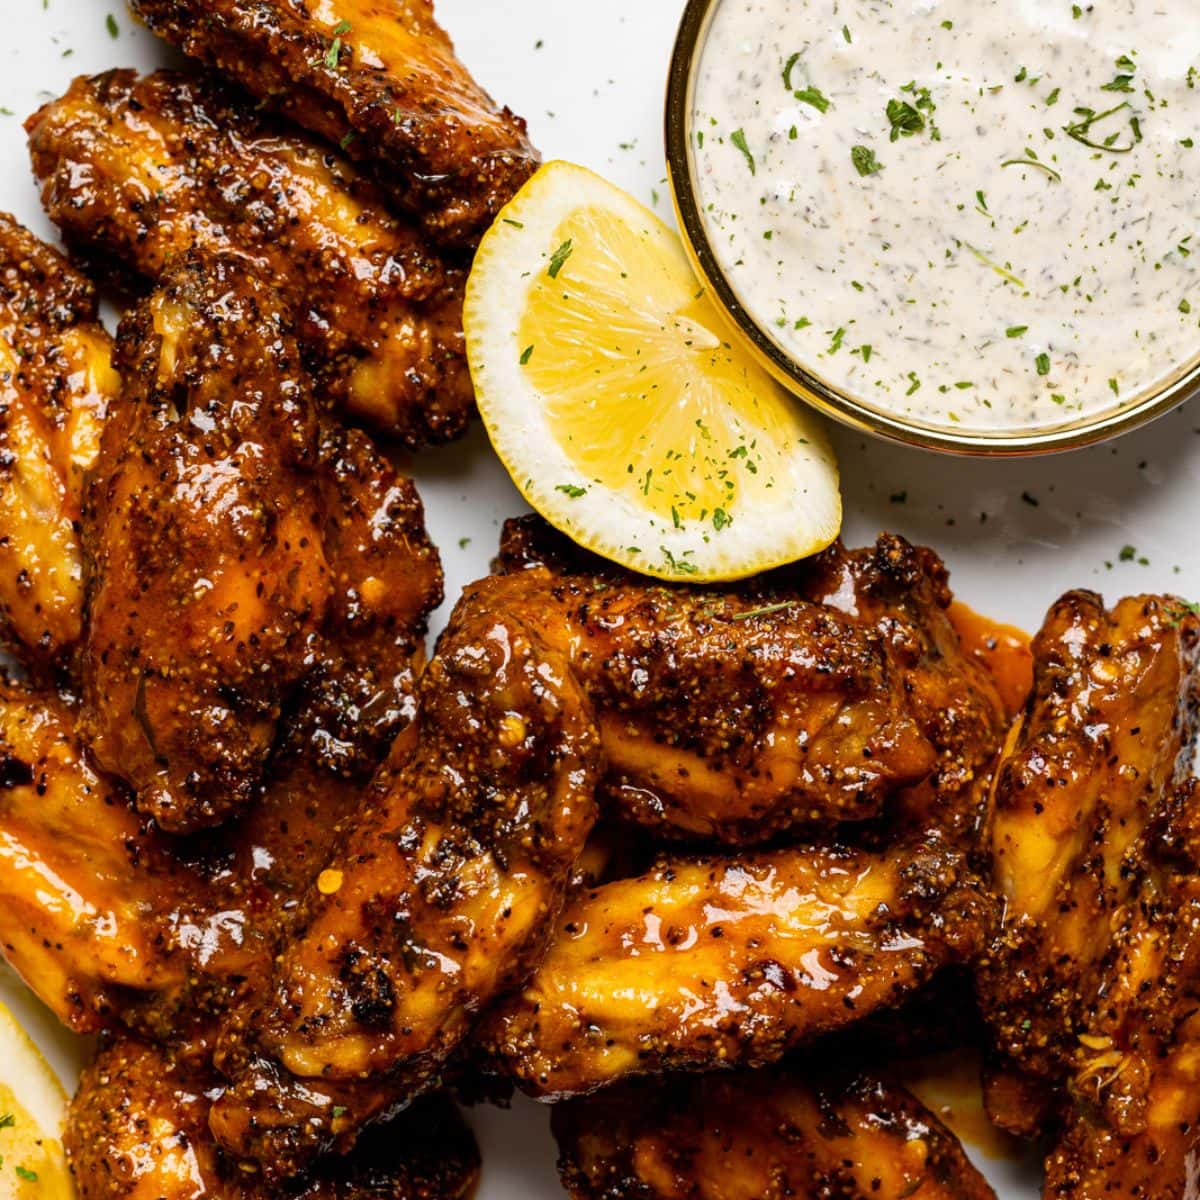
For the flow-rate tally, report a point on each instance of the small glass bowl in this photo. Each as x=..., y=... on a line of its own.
x=835, y=402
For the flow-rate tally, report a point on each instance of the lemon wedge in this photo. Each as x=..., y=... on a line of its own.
x=33, y=1107
x=614, y=393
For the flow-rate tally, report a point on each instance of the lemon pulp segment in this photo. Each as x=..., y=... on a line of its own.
x=32, y=1110
x=643, y=391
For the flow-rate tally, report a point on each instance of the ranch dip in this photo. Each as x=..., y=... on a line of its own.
x=976, y=214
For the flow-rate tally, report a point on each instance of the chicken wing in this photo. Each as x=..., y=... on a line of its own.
x=733, y=962
x=902, y=593
x=56, y=382
x=138, y=1130
x=1105, y=736
x=103, y=915
x=826, y=690
x=760, y=1136
x=202, y=526
x=82, y=878
x=546, y=675
x=378, y=77
x=141, y=172
x=1092, y=987
x=441, y=897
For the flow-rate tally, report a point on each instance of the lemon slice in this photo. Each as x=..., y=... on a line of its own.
x=614, y=394
x=33, y=1107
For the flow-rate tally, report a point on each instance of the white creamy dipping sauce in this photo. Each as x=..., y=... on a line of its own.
x=976, y=214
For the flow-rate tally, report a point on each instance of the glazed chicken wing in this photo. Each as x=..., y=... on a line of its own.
x=142, y=172
x=440, y=898
x=56, y=382
x=733, y=962
x=901, y=592
x=82, y=878
x=737, y=719
x=138, y=1130
x=378, y=77
x=760, y=1136
x=1105, y=736
x=810, y=695
x=1092, y=986
x=1132, y=1125
x=103, y=915
x=207, y=575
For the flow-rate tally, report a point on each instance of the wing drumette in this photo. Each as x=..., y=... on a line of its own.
x=378, y=77
x=769, y=1135
x=56, y=383
x=142, y=172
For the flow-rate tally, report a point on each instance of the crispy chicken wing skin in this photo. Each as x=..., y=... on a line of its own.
x=1104, y=737
x=806, y=696
x=380, y=78
x=1132, y=1125
x=727, y=962
x=740, y=719
x=207, y=573
x=56, y=383
x=109, y=919
x=82, y=879
x=440, y=898
x=902, y=593
x=138, y=1130
x=1092, y=988
x=760, y=1136
x=359, y=690
x=143, y=171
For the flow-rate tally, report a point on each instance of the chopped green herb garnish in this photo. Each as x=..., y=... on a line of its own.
x=559, y=258
x=864, y=160
x=571, y=489
x=1043, y=364
x=904, y=119
x=813, y=96
x=738, y=138
x=526, y=354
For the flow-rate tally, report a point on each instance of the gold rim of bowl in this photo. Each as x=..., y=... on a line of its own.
x=811, y=388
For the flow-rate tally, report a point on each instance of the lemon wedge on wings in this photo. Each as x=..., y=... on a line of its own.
x=618, y=400
x=33, y=1109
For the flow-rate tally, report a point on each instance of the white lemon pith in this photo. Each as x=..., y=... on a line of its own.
x=614, y=395
x=33, y=1108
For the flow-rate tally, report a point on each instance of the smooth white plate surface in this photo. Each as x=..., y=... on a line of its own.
x=590, y=79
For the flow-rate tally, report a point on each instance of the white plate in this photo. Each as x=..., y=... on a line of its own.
x=590, y=80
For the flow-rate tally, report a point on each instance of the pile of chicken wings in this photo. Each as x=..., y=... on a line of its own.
x=700, y=866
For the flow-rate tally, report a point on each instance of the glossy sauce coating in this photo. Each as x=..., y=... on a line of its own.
x=441, y=897
x=378, y=77
x=106, y=918
x=1092, y=986
x=810, y=695
x=733, y=961
x=138, y=1130
x=203, y=532
x=447, y=890
x=142, y=171
x=1104, y=737
x=771, y=1135
x=56, y=383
